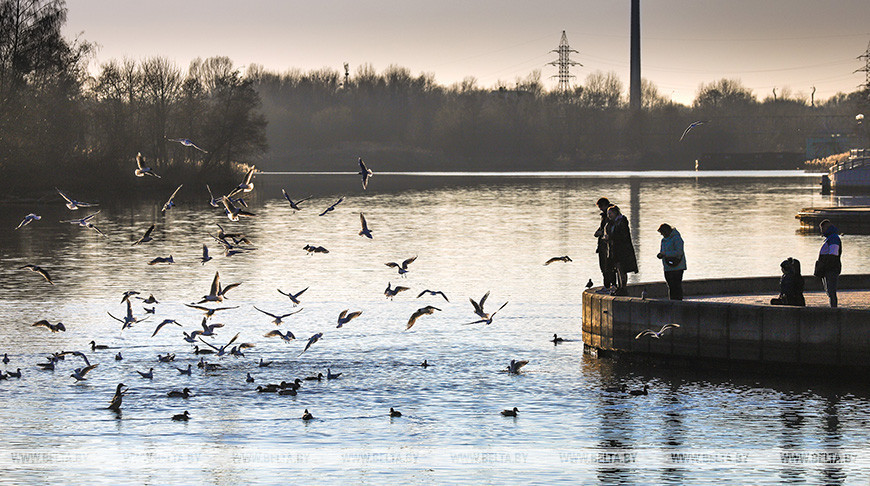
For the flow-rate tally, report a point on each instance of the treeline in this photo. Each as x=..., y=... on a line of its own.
x=411, y=122
x=61, y=126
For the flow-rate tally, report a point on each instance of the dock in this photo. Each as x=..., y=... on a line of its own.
x=729, y=324
x=847, y=219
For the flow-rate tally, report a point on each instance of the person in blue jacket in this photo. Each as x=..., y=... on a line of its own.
x=674, y=260
x=828, y=265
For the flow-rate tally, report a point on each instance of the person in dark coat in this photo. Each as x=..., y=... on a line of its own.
x=605, y=263
x=791, y=285
x=620, y=247
x=828, y=266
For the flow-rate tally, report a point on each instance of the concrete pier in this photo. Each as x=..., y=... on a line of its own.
x=848, y=219
x=719, y=328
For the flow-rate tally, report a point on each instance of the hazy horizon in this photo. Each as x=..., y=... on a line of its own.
x=793, y=44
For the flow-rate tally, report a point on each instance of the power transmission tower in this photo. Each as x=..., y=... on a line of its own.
x=564, y=62
x=866, y=68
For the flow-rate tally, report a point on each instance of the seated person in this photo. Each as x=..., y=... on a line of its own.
x=791, y=284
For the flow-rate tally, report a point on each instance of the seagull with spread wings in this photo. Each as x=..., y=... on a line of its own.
x=332, y=208
x=293, y=297
x=420, y=312
x=39, y=270
x=171, y=202
x=365, y=231
x=403, y=268
x=365, y=172
x=187, y=143
x=71, y=203
x=344, y=317
x=145, y=238
x=287, y=337
x=294, y=205
x=220, y=351
x=313, y=339
x=277, y=319
x=27, y=220
x=141, y=170
x=433, y=292
x=656, y=334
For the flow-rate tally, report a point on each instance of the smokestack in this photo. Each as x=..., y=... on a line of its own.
x=634, y=90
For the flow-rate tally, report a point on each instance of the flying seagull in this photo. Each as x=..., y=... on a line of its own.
x=332, y=208
x=433, y=292
x=420, y=312
x=85, y=222
x=392, y=292
x=165, y=322
x=39, y=270
x=214, y=202
x=141, y=170
x=365, y=231
x=171, y=202
x=232, y=211
x=145, y=238
x=488, y=319
x=71, y=203
x=690, y=127
x=515, y=366
x=654, y=334
x=59, y=327
x=346, y=317
x=186, y=143
x=294, y=205
x=28, y=219
x=565, y=259
x=313, y=339
x=205, y=258
x=293, y=297
x=278, y=319
x=288, y=336
x=365, y=172
x=403, y=268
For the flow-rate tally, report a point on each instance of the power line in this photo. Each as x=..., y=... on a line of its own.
x=564, y=62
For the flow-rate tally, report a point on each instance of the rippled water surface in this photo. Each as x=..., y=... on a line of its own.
x=471, y=235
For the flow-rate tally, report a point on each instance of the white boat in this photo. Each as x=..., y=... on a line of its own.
x=852, y=173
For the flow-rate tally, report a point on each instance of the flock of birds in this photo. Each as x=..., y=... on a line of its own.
x=234, y=207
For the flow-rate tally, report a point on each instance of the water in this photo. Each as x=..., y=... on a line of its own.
x=471, y=234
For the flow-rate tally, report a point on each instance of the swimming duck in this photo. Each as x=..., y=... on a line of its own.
x=149, y=375
x=184, y=371
x=249, y=378
x=319, y=377
x=330, y=375
x=181, y=417
x=557, y=340
x=425, y=364
x=287, y=391
x=640, y=392
x=14, y=374
x=118, y=356
x=307, y=415
x=185, y=393
x=264, y=364
x=395, y=413
x=115, y=404
x=5, y=358
x=510, y=413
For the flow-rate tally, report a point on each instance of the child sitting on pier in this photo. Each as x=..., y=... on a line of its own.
x=791, y=284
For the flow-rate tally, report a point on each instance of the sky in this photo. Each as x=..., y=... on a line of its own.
x=766, y=44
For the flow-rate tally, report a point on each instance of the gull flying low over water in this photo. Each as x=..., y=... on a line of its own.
x=39, y=270
x=59, y=327
x=293, y=297
x=314, y=249
x=145, y=238
x=149, y=300
x=168, y=260
x=127, y=295
x=365, y=231
x=488, y=319
x=214, y=202
x=165, y=322
x=128, y=319
x=565, y=259
x=85, y=222
x=313, y=339
x=170, y=203
x=237, y=238
x=392, y=292
x=80, y=373
x=288, y=336
x=27, y=220
x=478, y=307
x=208, y=329
x=210, y=312
x=294, y=205
x=515, y=365
x=403, y=268
x=72, y=204
x=365, y=172
x=332, y=208
x=217, y=293
x=433, y=292
x=205, y=258
x=187, y=143
x=690, y=127
x=141, y=170
x=246, y=184
x=220, y=351
x=277, y=319
x=344, y=317
x=420, y=312
x=656, y=334
x=232, y=211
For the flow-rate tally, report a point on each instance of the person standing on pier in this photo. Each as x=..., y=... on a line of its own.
x=674, y=260
x=604, y=260
x=619, y=247
x=828, y=265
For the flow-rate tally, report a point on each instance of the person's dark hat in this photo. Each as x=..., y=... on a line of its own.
x=603, y=202
x=665, y=227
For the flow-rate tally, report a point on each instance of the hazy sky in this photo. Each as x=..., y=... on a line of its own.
x=765, y=43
